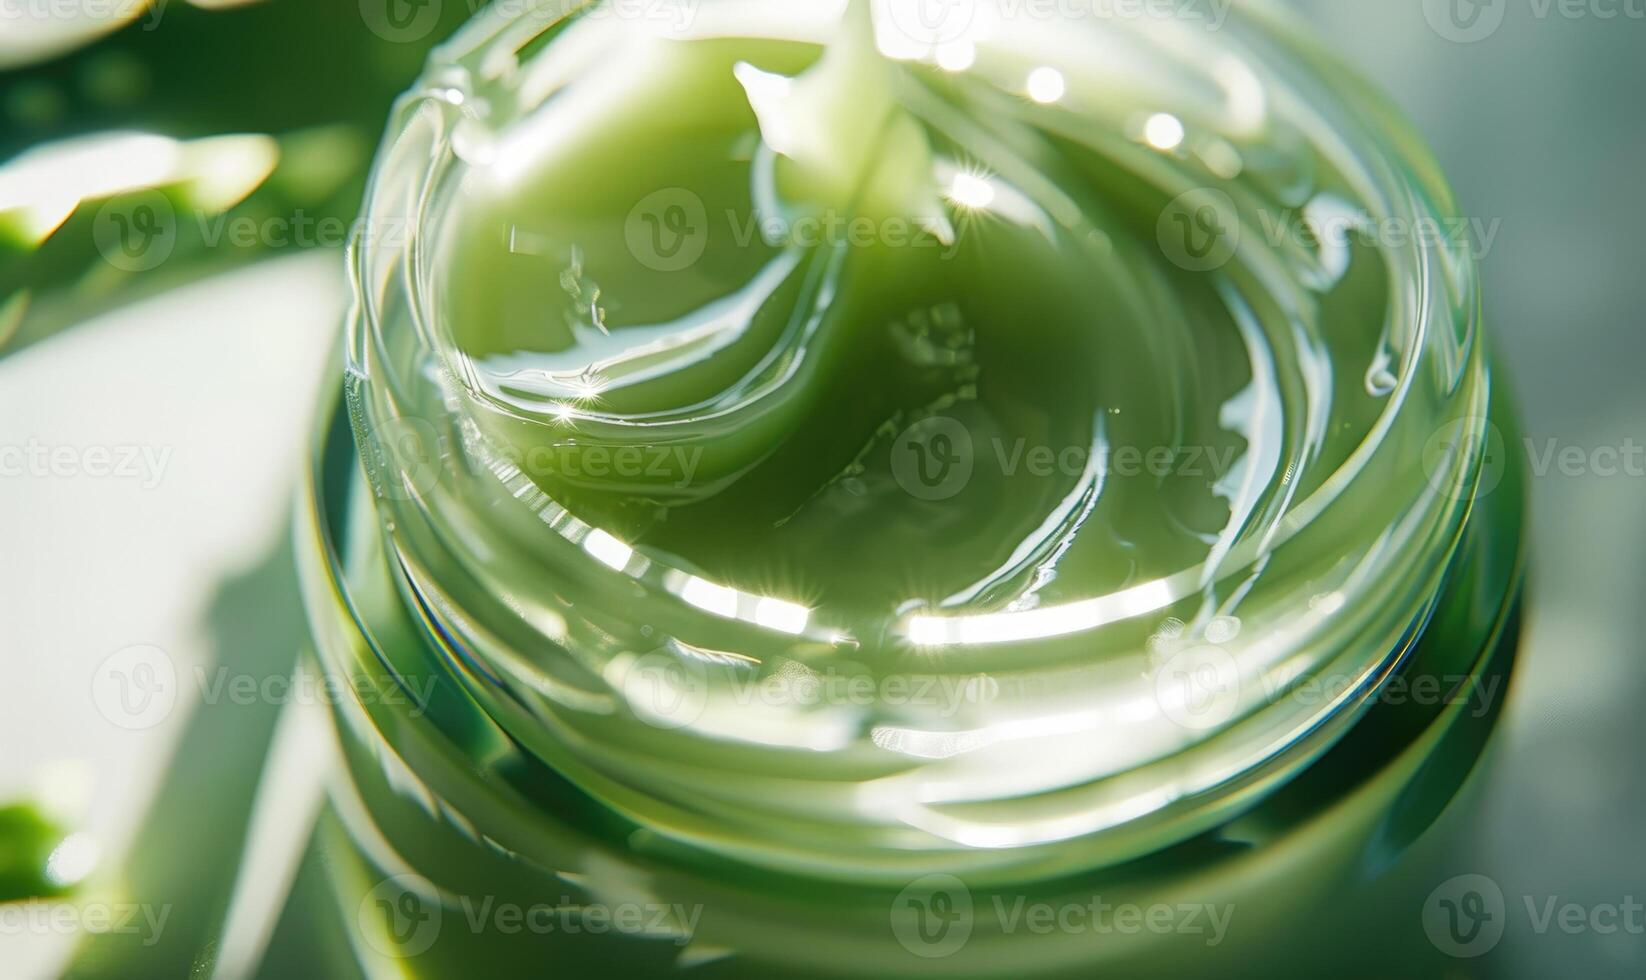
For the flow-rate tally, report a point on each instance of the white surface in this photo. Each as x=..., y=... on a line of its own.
x=216, y=380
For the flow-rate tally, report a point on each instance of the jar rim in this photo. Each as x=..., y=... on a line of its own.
x=1436, y=294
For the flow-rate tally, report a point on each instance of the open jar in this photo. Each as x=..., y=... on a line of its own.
x=812, y=481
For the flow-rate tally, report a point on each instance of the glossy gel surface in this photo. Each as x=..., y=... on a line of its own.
x=863, y=451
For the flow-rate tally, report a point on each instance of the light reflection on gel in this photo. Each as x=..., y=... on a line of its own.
x=776, y=345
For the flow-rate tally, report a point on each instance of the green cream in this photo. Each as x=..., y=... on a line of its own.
x=805, y=458
x=882, y=245
x=755, y=355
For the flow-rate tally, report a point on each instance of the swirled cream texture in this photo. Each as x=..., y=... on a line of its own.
x=869, y=444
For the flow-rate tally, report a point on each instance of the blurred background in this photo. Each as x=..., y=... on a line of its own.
x=176, y=182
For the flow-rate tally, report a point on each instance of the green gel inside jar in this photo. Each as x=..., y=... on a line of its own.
x=931, y=358
x=798, y=443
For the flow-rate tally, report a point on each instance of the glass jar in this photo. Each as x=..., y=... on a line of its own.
x=627, y=718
